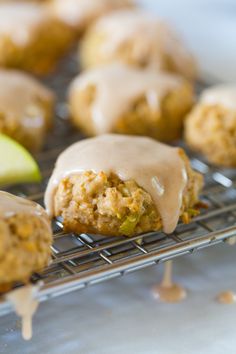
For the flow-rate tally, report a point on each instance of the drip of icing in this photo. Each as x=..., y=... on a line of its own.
x=167, y=291
x=226, y=297
x=79, y=12
x=117, y=88
x=224, y=94
x=144, y=160
x=155, y=39
x=18, y=97
x=25, y=305
x=11, y=205
x=18, y=21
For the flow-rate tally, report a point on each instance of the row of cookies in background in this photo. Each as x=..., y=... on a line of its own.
x=121, y=99
x=35, y=35
x=132, y=97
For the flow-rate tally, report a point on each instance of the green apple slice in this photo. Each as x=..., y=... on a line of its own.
x=16, y=163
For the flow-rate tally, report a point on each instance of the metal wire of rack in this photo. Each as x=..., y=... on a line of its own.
x=82, y=260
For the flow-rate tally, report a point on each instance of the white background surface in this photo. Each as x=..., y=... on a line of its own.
x=120, y=316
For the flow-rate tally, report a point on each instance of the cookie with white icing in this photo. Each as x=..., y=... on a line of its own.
x=121, y=99
x=137, y=38
x=31, y=39
x=25, y=239
x=211, y=126
x=26, y=108
x=122, y=185
x=79, y=14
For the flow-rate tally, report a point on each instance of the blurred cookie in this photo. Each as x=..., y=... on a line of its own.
x=139, y=39
x=121, y=99
x=211, y=126
x=79, y=14
x=25, y=239
x=26, y=108
x=30, y=38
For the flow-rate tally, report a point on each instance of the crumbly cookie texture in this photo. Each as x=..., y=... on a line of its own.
x=139, y=39
x=210, y=127
x=26, y=108
x=80, y=14
x=101, y=203
x=156, y=110
x=31, y=39
x=25, y=240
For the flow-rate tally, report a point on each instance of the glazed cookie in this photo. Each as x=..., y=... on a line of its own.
x=211, y=126
x=26, y=108
x=25, y=239
x=137, y=38
x=79, y=14
x=30, y=38
x=122, y=185
x=121, y=99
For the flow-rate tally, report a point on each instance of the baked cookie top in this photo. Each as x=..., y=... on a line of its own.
x=79, y=13
x=11, y=205
x=224, y=95
x=152, y=41
x=117, y=86
x=20, y=95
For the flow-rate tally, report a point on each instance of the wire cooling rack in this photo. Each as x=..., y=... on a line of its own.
x=82, y=260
